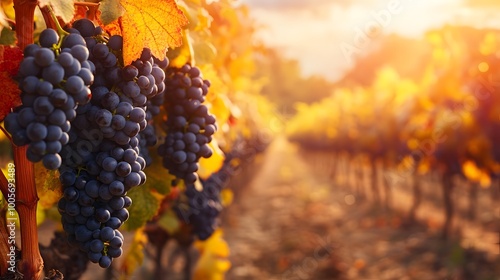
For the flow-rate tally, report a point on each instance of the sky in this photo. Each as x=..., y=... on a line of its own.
x=325, y=35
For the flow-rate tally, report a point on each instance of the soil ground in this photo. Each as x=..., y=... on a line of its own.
x=294, y=221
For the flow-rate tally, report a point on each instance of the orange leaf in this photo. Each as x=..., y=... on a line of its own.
x=10, y=96
x=153, y=24
x=10, y=58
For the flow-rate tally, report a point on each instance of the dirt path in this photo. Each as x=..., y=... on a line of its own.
x=291, y=224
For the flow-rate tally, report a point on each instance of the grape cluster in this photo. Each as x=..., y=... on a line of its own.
x=102, y=161
x=53, y=81
x=203, y=207
x=189, y=125
x=91, y=214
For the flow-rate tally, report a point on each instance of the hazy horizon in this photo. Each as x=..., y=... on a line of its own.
x=321, y=34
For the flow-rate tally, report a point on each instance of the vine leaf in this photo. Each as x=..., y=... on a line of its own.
x=10, y=58
x=62, y=8
x=134, y=257
x=145, y=205
x=156, y=178
x=153, y=24
x=7, y=37
x=110, y=10
x=48, y=186
x=213, y=262
x=169, y=222
x=181, y=55
x=210, y=165
x=6, y=8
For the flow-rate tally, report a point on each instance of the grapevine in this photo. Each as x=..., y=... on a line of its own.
x=116, y=121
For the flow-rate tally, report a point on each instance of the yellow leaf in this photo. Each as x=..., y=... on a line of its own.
x=62, y=8
x=226, y=197
x=212, y=164
x=48, y=186
x=424, y=167
x=8, y=10
x=135, y=254
x=471, y=171
x=183, y=54
x=213, y=262
x=485, y=180
x=153, y=24
x=204, y=52
x=221, y=108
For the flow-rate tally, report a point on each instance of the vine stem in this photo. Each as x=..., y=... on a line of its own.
x=25, y=15
x=47, y=17
x=31, y=264
x=92, y=9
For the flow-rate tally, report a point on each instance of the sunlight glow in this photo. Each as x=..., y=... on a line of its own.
x=315, y=31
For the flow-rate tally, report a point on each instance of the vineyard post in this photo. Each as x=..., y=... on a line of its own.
x=495, y=190
x=360, y=179
x=387, y=186
x=333, y=167
x=447, y=185
x=473, y=192
x=31, y=264
x=347, y=170
x=417, y=197
x=374, y=180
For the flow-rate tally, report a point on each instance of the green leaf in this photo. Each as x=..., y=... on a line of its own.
x=144, y=207
x=169, y=222
x=157, y=176
x=7, y=37
x=111, y=10
x=62, y=8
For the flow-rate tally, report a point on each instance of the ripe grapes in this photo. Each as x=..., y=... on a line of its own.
x=189, y=125
x=102, y=161
x=54, y=81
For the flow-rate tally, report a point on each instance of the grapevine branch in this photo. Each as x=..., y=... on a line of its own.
x=47, y=17
x=91, y=8
x=31, y=264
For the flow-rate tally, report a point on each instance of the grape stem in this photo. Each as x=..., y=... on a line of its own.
x=47, y=17
x=59, y=29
